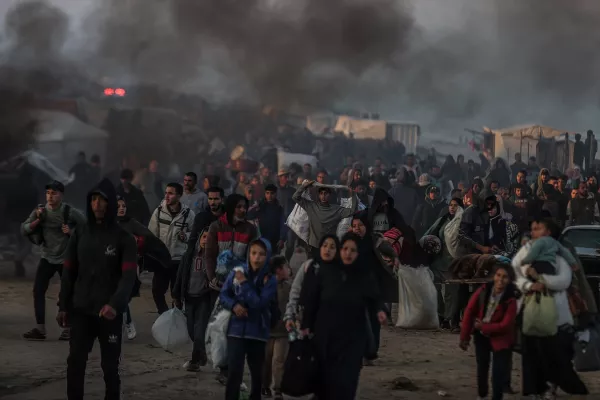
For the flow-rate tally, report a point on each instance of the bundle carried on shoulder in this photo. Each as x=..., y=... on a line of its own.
x=473, y=266
x=298, y=219
x=452, y=234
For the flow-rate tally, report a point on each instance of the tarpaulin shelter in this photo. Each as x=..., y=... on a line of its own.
x=60, y=136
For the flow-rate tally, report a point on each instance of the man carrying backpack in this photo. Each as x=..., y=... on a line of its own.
x=49, y=226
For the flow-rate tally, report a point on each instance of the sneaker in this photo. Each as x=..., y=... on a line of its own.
x=267, y=393
x=278, y=396
x=65, y=335
x=191, y=366
x=131, y=332
x=34, y=334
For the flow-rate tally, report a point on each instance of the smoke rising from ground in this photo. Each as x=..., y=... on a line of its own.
x=445, y=64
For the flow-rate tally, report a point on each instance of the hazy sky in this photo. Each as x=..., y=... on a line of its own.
x=471, y=63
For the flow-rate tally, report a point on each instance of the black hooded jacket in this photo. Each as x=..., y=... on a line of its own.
x=394, y=218
x=427, y=213
x=101, y=264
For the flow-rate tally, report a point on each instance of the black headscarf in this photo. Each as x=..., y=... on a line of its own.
x=336, y=258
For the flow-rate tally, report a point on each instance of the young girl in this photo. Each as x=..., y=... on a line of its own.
x=191, y=288
x=491, y=318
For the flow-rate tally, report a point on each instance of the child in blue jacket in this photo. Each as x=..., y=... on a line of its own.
x=249, y=294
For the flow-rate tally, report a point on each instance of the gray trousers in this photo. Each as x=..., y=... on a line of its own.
x=197, y=312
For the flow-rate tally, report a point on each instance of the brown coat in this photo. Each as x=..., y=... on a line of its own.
x=283, y=296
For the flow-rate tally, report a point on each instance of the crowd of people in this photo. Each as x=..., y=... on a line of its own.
x=226, y=245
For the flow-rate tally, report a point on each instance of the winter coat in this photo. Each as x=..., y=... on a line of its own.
x=271, y=221
x=101, y=263
x=474, y=229
x=167, y=228
x=256, y=294
x=501, y=329
x=283, y=296
x=427, y=213
x=224, y=235
x=558, y=283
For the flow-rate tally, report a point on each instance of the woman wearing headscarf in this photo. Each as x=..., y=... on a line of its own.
x=373, y=251
x=328, y=254
x=448, y=304
x=152, y=253
x=336, y=303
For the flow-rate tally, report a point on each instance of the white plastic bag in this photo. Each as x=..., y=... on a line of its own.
x=170, y=329
x=298, y=218
x=216, y=338
x=452, y=232
x=297, y=221
x=417, y=305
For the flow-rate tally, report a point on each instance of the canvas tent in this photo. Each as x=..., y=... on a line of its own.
x=522, y=139
x=60, y=136
x=361, y=128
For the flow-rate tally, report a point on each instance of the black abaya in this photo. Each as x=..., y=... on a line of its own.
x=336, y=303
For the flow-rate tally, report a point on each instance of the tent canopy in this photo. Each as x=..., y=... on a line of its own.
x=529, y=130
x=57, y=126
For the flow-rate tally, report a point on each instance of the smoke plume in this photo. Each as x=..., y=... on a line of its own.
x=447, y=65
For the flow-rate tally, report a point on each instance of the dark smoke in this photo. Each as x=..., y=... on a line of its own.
x=309, y=58
x=502, y=63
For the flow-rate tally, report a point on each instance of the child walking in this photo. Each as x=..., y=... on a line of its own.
x=491, y=317
x=191, y=288
x=277, y=346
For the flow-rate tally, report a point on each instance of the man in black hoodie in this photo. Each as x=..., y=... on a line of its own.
x=99, y=273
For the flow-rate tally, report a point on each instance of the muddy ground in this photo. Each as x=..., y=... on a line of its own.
x=36, y=370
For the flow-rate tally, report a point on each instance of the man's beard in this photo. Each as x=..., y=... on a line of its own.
x=214, y=208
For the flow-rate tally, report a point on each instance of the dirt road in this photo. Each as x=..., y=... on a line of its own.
x=36, y=370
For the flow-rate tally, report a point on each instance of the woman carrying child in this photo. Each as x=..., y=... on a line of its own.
x=541, y=266
x=490, y=316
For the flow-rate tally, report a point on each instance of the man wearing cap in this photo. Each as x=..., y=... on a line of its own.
x=285, y=195
x=50, y=227
x=100, y=270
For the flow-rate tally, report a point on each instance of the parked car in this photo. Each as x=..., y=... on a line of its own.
x=586, y=240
